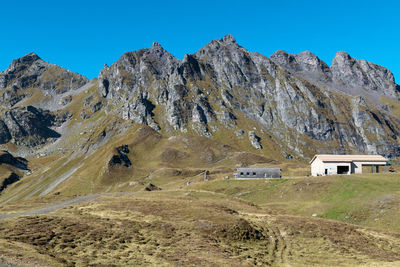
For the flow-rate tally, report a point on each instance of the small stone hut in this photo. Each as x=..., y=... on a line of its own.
x=260, y=173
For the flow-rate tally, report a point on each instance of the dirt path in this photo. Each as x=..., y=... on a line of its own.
x=4, y=263
x=60, y=179
x=62, y=204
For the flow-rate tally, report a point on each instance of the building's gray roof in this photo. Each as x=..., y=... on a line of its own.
x=256, y=169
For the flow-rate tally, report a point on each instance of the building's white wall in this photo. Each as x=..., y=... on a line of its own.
x=357, y=167
x=318, y=167
x=332, y=167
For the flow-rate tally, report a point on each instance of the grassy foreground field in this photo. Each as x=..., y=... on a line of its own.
x=220, y=223
x=367, y=199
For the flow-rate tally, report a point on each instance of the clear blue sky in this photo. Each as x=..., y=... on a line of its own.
x=83, y=35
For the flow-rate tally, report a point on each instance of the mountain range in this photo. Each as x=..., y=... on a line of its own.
x=133, y=167
x=201, y=111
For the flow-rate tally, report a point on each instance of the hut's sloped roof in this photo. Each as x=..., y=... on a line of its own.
x=257, y=169
x=348, y=158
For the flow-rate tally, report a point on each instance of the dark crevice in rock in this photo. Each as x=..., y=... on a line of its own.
x=375, y=117
x=10, y=180
x=18, y=162
x=5, y=135
x=389, y=125
x=106, y=84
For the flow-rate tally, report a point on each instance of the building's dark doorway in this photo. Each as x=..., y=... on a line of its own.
x=326, y=171
x=342, y=169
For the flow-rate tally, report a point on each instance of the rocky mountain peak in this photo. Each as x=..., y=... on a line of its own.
x=23, y=62
x=282, y=58
x=26, y=59
x=308, y=57
x=156, y=48
x=342, y=59
x=30, y=73
x=343, y=54
x=156, y=45
x=139, y=68
x=311, y=62
x=27, y=65
x=306, y=62
x=227, y=43
x=363, y=74
x=228, y=39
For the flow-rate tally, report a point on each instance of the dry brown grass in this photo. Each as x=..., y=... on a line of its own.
x=191, y=228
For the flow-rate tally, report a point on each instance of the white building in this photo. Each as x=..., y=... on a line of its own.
x=345, y=164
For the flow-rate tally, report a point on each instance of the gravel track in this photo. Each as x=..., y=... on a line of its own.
x=4, y=263
x=60, y=179
x=62, y=204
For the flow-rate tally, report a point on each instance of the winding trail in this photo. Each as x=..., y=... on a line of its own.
x=59, y=205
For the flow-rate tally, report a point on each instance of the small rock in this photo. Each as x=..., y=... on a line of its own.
x=255, y=140
x=65, y=100
x=239, y=132
x=152, y=187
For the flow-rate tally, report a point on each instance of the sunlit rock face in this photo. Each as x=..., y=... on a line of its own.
x=298, y=98
x=296, y=101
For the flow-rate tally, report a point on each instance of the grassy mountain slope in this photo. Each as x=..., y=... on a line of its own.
x=167, y=161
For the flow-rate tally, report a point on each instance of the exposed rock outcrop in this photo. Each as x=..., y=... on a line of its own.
x=255, y=140
x=363, y=74
x=305, y=63
x=28, y=126
x=346, y=74
x=152, y=187
x=121, y=157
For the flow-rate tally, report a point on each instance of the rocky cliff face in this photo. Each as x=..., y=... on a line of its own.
x=28, y=126
x=297, y=102
x=346, y=74
x=25, y=79
x=30, y=72
x=363, y=74
x=292, y=97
